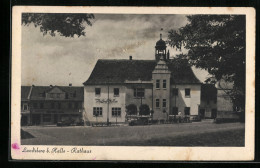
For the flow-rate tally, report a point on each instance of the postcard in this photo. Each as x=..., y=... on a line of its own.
x=133, y=83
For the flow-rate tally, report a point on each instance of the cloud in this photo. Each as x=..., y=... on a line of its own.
x=59, y=60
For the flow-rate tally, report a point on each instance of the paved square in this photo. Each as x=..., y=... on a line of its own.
x=185, y=134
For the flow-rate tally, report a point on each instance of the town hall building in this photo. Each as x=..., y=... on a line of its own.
x=168, y=86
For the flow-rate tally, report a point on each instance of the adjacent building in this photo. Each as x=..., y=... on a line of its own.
x=208, y=105
x=44, y=105
x=167, y=86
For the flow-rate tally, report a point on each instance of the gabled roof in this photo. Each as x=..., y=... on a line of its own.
x=25, y=90
x=37, y=92
x=118, y=71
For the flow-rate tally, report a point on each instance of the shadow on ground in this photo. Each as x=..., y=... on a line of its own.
x=26, y=135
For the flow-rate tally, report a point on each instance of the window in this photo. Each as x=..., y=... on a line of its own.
x=236, y=108
x=70, y=106
x=71, y=95
x=59, y=105
x=164, y=103
x=116, y=91
x=175, y=91
x=164, y=84
x=41, y=105
x=35, y=105
x=157, y=103
x=157, y=84
x=97, y=91
x=52, y=105
x=187, y=110
x=51, y=95
x=46, y=117
x=116, y=112
x=97, y=111
x=187, y=92
x=25, y=107
x=207, y=102
x=139, y=92
x=66, y=95
x=58, y=95
x=175, y=111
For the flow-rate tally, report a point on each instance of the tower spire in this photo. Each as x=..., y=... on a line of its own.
x=160, y=48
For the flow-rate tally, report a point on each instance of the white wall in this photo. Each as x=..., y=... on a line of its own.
x=181, y=101
x=224, y=102
x=90, y=102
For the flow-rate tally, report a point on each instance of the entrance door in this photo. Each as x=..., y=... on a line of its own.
x=202, y=113
x=214, y=113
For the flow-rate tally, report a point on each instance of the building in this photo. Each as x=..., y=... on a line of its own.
x=224, y=101
x=25, y=110
x=42, y=105
x=167, y=86
x=208, y=105
x=225, y=106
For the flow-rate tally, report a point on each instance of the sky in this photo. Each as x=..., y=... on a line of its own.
x=59, y=60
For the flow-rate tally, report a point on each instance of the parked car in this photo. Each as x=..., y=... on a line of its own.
x=139, y=121
x=195, y=118
x=80, y=123
x=68, y=122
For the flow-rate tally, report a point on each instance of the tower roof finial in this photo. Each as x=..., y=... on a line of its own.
x=161, y=34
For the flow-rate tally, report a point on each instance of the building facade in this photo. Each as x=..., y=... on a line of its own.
x=167, y=86
x=47, y=105
x=208, y=105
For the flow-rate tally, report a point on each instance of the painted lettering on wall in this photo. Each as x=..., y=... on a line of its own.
x=106, y=101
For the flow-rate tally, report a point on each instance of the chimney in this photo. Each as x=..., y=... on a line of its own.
x=130, y=57
x=50, y=86
x=70, y=84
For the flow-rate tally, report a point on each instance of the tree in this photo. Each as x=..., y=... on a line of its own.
x=65, y=24
x=215, y=43
x=131, y=109
x=144, y=109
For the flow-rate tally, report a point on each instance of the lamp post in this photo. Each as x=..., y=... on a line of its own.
x=107, y=101
x=141, y=95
